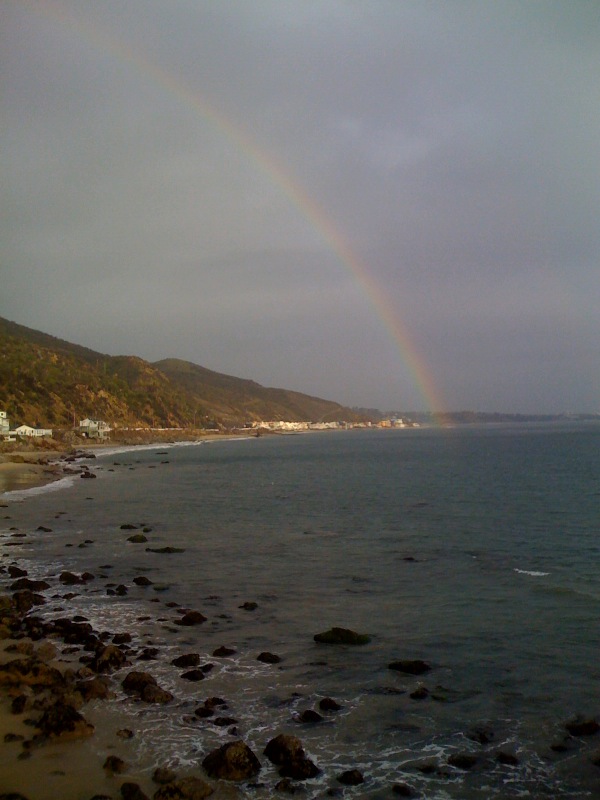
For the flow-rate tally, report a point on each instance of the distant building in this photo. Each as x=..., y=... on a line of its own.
x=94, y=428
x=27, y=430
x=4, y=424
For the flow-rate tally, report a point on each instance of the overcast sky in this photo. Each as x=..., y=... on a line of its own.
x=150, y=147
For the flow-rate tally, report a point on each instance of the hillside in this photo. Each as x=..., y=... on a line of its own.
x=48, y=382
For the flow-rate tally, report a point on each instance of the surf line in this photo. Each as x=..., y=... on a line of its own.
x=278, y=176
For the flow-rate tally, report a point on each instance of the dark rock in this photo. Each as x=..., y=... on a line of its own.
x=187, y=660
x=329, y=704
x=142, y=581
x=421, y=693
x=223, y=722
x=285, y=785
x=149, y=654
x=25, y=600
x=268, y=658
x=125, y=733
x=352, y=777
x=62, y=721
x=28, y=583
x=137, y=538
x=410, y=667
x=249, y=606
x=155, y=694
x=162, y=775
x=184, y=789
x=29, y=672
x=283, y=749
x=309, y=716
x=87, y=474
x=94, y=689
x=510, y=759
x=13, y=737
x=193, y=675
x=121, y=590
x=109, y=659
x=464, y=761
x=114, y=765
x=69, y=578
x=342, y=636
x=128, y=527
x=165, y=550
x=43, y=529
x=191, y=618
x=582, y=727
x=402, y=789
x=121, y=638
x=233, y=761
x=18, y=704
x=134, y=682
x=482, y=734
x=223, y=651
x=131, y=791
x=300, y=770
x=16, y=572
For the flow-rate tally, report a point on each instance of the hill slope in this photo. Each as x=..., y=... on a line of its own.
x=49, y=382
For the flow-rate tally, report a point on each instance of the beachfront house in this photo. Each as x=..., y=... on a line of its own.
x=27, y=430
x=4, y=424
x=94, y=428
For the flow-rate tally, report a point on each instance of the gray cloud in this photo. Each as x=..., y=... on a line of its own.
x=151, y=149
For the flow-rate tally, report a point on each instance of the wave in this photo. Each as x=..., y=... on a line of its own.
x=53, y=486
x=531, y=572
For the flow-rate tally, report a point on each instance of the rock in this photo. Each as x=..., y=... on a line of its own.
x=482, y=734
x=402, y=789
x=131, y=791
x=148, y=654
x=109, y=659
x=142, y=581
x=28, y=583
x=121, y=590
x=287, y=752
x=249, y=606
x=352, y=777
x=342, y=636
x=223, y=722
x=87, y=474
x=155, y=694
x=509, y=759
x=125, y=733
x=221, y=652
x=410, y=667
x=29, y=672
x=69, y=578
x=233, y=761
x=268, y=658
x=94, y=689
x=191, y=618
x=185, y=789
x=121, y=638
x=134, y=682
x=582, y=727
x=17, y=572
x=43, y=529
x=187, y=660
x=310, y=716
x=463, y=761
x=62, y=721
x=328, y=704
x=137, y=538
x=193, y=675
x=25, y=600
x=127, y=526
x=162, y=775
x=422, y=693
x=165, y=550
x=114, y=765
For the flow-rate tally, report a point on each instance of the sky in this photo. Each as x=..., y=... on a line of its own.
x=392, y=204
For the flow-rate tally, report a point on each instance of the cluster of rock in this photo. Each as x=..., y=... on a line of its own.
x=54, y=698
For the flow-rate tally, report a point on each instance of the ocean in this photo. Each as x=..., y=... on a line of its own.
x=475, y=549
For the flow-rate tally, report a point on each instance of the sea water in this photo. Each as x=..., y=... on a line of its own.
x=475, y=549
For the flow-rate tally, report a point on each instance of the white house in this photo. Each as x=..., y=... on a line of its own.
x=94, y=428
x=27, y=430
x=4, y=424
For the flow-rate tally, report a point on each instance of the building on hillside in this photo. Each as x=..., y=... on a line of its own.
x=94, y=428
x=27, y=430
x=4, y=424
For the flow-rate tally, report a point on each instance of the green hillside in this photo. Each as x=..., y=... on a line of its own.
x=48, y=382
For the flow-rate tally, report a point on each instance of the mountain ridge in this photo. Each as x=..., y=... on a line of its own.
x=50, y=382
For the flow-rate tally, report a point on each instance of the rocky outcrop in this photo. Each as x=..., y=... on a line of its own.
x=288, y=753
x=234, y=761
x=184, y=789
x=62, y=721
x=342, y=636
x=410, y=666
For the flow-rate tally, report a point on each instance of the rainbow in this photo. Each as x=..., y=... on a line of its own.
x=279, y=177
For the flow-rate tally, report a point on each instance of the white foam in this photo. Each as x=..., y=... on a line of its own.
x=53, y=486
x=532, y=573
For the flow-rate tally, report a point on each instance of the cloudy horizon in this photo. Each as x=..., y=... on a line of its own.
x=386, y=204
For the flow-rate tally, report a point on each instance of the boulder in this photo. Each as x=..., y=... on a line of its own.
x=342, y=636
x=134, y=682
x=268, y=658
x=29, y=672
x=351, y=777
x=410, y=666
x=223, y=652
x=287, y=752
x=109, y=659
x=142, y=580
x=114, y=765
x=186, y=660
x=191, y=618
x=137, y=538
x=193, y=675
x=62, y=721
x=582, y=727
x=165, y=550
x=131, y=791
x=155, y=694
x=94, y=689
x=463, y=761
x=28, y=583
x=310, y=716
x=184, y=789
x=233, y=761
x=163, y=775
x=329, y=704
